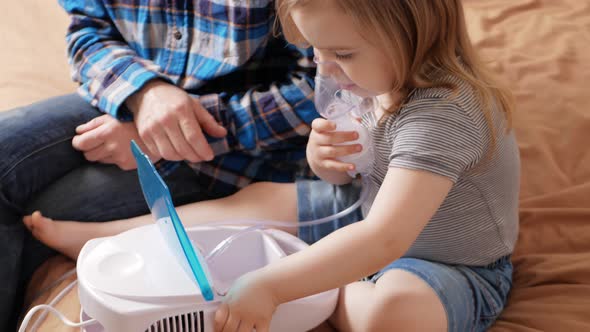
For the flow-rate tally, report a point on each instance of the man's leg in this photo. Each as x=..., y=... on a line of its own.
x=35, y=146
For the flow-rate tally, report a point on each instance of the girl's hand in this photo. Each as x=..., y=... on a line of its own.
x=249, y=305
x=323, y=147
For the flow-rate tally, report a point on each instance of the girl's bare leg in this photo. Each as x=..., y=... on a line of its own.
x=266, y=201
x=399, y=301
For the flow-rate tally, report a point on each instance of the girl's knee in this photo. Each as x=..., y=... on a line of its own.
x=251, y=191
x=400, y=284
x=263, y=188
x=267, y=193
x=406, y=302
x=267, y=201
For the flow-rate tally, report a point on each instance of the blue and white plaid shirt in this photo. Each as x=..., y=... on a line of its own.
x=221, y=51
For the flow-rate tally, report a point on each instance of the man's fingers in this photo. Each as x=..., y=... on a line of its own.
x=126, y=165
x=163, y=144
x=150, y=146
x=180, y=143
x=88, y=140
x=92, y=124
x=97, y=154
x=110, y=160
x=191, y=128
x=154, y=156
x=207, y=121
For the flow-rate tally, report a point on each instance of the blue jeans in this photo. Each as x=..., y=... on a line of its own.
x=39, y=170
x=473, y=296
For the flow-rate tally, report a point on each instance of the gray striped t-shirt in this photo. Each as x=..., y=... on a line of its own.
x=446, y=134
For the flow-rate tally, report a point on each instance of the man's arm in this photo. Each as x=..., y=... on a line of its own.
x=277, y=118
x=110, y=71
x=112, y=74
x=107, y=68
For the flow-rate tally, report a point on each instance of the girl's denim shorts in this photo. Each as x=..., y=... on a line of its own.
x=473, y=296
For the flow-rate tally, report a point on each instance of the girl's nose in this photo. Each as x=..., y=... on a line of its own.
x=327, y=68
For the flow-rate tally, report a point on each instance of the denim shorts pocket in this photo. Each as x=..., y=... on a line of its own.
x=494, y=285
x=504, y=280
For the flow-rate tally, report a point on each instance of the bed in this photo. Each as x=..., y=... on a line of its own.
x=541, y=48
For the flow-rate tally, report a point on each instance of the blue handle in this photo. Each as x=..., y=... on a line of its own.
x=159, y=201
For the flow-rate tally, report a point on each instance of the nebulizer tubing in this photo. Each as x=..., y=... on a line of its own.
x=50, y=308
x=257, y=225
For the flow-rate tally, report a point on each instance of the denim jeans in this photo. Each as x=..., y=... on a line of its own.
x=39, y=170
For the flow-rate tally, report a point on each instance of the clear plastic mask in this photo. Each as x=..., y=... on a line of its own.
x=346, y=109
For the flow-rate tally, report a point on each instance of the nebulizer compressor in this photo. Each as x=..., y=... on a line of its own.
x=163, y=277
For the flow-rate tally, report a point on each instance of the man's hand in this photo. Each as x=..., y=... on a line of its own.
x=107, y=140
x=171, y=123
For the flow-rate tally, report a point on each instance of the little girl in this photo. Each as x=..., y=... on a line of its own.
x=433, y=247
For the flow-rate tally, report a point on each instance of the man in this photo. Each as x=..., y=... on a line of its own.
x=204, y=87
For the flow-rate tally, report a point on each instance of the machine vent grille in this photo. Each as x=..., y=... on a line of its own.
x=189, y=322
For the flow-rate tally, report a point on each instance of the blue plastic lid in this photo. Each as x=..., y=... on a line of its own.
x=159, y=201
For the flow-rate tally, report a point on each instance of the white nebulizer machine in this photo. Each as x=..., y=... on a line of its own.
x=163, y=277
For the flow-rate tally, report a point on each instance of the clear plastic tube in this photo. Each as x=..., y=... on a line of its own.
x=272, y=223
x=257, y=225
x=223, y=245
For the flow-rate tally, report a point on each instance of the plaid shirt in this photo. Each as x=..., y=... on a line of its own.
x=222, y=52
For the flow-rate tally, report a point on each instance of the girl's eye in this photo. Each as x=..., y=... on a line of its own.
x=343, y=56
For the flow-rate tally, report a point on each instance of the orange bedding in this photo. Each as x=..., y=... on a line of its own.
x=542, y=48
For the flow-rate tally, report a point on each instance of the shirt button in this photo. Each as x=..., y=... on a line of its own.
x=177, y=34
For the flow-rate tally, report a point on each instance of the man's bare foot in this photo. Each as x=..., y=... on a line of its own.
x=67, y=237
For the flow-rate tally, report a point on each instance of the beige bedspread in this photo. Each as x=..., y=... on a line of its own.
x=542, y=48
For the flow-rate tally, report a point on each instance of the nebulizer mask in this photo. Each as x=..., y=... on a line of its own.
x=346, y=109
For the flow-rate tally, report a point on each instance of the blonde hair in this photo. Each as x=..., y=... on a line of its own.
x=419, y=36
